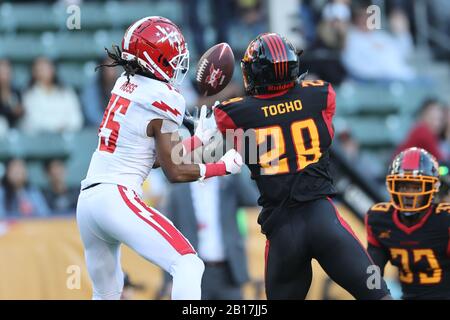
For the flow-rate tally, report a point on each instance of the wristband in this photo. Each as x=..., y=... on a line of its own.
x=212, y=170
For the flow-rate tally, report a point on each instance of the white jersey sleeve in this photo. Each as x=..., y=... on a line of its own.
x=125, y=154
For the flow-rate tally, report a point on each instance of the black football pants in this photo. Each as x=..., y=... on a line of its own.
x=309, y=230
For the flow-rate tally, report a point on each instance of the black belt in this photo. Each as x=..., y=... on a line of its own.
x=91, y=186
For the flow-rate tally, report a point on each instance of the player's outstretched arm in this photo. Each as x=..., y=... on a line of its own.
x=230, y=163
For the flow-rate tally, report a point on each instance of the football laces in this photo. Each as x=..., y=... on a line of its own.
x=201, y=69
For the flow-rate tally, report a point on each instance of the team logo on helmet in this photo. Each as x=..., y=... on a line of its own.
x=173, y=36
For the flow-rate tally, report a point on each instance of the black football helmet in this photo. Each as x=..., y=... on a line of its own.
x=413, y=180
x=270, y=64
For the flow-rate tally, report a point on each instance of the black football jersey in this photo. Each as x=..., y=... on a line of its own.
x=285, y=140
x=421, y=252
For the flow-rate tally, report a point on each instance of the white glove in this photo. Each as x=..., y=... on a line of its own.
x=233, y=161
x=206, y=126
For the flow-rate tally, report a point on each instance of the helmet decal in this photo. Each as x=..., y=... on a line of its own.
x=270, y=63
x=411, y=160
x=166, y=35
x=159, y=47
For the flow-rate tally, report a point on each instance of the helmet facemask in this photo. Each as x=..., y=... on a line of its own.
x=412, y=193
x=180, y=66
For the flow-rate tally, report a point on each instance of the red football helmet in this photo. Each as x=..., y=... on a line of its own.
x=159, y=47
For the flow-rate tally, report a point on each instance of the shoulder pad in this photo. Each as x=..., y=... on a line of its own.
x=381, y=207
x=313, y=83
x=443, y=207
x=230, y=101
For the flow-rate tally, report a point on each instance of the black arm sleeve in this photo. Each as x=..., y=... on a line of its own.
x=379, y=256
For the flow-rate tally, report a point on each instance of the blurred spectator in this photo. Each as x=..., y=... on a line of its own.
x=221, y=15
x=377, y=54
x=425, y=133
x=49, y=107
x=61, y=199
x=445, y=136
x=17, y=198
x=252, y=16
x=220, y=12
x=209, y=222
x=96, y=93
x=332, y=29
x=331, y=36
x=370, y=167
x=192, y=9
x=10, y=99
x=439, y=19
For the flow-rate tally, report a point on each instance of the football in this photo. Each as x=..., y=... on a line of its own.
x=215, y=69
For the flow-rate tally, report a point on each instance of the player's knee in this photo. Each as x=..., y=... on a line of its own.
x=189, y=264
x=187, y=275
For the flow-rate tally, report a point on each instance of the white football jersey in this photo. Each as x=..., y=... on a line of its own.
x=125, y=154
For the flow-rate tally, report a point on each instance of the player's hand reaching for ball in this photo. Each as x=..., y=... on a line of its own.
x=206, y=126
x=232, y=160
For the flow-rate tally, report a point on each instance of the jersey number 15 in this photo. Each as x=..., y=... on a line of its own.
x=109, y=128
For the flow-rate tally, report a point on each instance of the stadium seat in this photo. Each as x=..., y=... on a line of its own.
x=30, y=16
x=36, y=174
x=122, y=14
x=371, y=132
x=93, y=15
x=21, y=47
x=72, y=74
x=82, y=144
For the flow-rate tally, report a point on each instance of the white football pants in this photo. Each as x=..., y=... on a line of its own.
x=109, y=215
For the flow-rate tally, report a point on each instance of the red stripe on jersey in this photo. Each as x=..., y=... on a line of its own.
x=348, y=228
x=328, y=113
x=223, y=121
x=160, y=224
x=271, y=95
x=370, y=237
x=166, y=108
x=411, y=229
x=411, y=160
